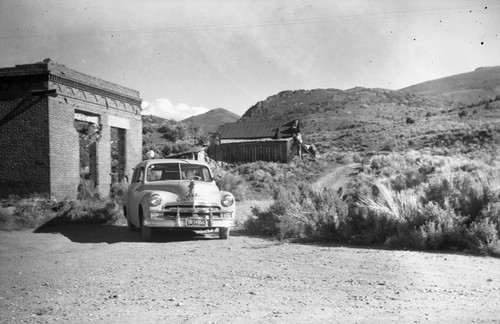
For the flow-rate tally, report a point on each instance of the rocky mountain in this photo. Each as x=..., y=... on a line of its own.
x=302, y=103
x=211, y=120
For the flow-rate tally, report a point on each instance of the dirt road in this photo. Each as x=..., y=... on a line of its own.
x=105, y=274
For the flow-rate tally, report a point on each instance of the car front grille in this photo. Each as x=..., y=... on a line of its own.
x=183, y=211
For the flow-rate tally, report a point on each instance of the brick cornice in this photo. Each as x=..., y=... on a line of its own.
x=95, y=90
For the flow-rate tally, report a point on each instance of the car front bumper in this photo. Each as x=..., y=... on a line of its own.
x=159, y=219
x=183, y=223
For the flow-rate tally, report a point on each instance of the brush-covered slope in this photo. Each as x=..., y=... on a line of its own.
x=474, y=87
x=211, y=120
x=152, y=120
x=368, y=120
x=166, y=136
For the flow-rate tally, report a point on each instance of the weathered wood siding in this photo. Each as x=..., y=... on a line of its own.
x=244, y=152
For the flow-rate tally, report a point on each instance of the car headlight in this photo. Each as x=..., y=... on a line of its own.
x=154, y=200
x=227, y=200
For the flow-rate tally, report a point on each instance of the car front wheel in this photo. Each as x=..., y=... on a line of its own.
x=223, y=233
x=147, y=232
x=131, y=227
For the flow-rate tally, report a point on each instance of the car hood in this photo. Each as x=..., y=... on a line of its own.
x=187, y=190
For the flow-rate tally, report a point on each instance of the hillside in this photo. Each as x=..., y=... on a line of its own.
x=370, y=120
x=466, y=88
x=152, y=120
x=211, y=120
x=166, y=136
x=301, y=103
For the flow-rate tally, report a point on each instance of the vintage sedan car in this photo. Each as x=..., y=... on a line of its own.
x=177, y=194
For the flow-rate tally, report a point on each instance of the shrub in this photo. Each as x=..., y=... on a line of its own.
x=265, y=221
x=465, y=193
x=147, y=129
x=104, y=211
x=177, y=147
x=459, y=211
x=234, y=183
x=482, y=237
x=429, y=236
x=119, y=191
x=87, y=189
x=360, y=186
x=174, y=131
x=408, y=179
x=40, y=212
x=439, y=228
x=348, y=158
x=402, y=205
x=386, y=164
x=167, y=148
x=27, y=212
x=492, y=212
x=300, y=212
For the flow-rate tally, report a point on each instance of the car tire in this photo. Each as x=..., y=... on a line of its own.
x=147, y=232
x=131, y=227
x=223, y=233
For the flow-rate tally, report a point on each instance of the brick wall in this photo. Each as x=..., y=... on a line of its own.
x=64, y=150
x=24, y=167
x=133, y=149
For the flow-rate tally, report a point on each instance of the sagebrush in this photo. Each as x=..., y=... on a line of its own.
x=414, y=200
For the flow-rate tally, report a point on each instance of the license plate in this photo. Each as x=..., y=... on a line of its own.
x=196, y=222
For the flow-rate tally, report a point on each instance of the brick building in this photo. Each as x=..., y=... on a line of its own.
x=40, y=106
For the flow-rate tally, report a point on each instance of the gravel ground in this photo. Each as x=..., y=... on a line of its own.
x=105, y=274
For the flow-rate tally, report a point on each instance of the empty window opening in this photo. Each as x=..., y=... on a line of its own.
x=117, y=154
x=89, y=132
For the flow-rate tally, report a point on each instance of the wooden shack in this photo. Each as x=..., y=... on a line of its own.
x=244, y=142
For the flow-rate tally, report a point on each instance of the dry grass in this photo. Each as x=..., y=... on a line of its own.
x=399, y=205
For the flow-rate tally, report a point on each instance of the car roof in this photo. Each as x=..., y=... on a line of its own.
x=173, y=161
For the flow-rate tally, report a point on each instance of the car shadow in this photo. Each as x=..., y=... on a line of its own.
x=83, y=233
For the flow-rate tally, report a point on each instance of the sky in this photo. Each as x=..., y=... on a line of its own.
x=186, y=57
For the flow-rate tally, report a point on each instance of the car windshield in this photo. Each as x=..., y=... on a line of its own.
x=178, y=171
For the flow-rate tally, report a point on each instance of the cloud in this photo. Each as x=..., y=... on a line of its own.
x=164, y=108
